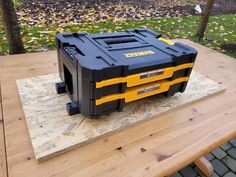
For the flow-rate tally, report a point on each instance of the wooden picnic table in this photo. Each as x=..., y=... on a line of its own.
x=158, y=147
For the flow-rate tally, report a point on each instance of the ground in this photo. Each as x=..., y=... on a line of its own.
x=220, y=33
x=61, y=12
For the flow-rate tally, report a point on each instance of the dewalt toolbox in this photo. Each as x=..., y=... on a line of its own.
x=101, y=72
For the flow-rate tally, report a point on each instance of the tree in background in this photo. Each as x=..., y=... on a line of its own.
x=205, y=17
x=9, y=18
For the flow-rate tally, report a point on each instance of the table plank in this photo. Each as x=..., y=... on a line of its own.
x=26, y=65
x=3, y=164
x=155, y=148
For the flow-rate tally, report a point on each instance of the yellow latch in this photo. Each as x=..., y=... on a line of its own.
x=166, y=41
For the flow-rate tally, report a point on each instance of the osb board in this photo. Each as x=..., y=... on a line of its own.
x=53, y=132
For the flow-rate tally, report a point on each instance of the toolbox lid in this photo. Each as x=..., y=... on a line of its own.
x=132, y=48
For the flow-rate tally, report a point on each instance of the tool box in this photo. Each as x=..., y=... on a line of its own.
x=101, y=72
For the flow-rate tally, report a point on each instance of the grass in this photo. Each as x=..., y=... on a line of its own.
x=220, y=30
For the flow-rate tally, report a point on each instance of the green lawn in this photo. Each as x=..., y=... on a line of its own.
x=220, y=30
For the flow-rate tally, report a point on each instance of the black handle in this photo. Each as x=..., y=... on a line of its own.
x=119, y=40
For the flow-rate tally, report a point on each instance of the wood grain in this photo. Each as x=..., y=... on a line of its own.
x=205, y=166
x=176, y=139
x=53, y=132
x=3, y=163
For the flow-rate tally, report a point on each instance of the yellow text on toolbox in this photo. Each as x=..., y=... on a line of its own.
x=137, y=54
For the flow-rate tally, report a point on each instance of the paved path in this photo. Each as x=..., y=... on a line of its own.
x=223, y=160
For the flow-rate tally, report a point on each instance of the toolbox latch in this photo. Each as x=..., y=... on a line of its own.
x=72, y=51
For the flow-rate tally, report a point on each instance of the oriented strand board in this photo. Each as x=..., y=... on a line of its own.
x=53, y=132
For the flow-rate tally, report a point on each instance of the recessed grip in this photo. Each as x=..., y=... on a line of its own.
x=119, y=40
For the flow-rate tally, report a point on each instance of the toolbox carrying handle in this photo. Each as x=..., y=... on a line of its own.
x=107, y=42
x=120, y=40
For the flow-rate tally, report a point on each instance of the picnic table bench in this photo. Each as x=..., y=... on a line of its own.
x=183, y=135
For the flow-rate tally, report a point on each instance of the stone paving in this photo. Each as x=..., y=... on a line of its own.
x=223, y=160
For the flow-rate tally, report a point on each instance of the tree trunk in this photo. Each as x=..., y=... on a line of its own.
x=11, y=26
x=205, y=17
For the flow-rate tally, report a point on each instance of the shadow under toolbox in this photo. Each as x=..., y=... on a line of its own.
x=101, y=72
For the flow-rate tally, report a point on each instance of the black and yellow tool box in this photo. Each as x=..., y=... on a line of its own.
x=101, y=72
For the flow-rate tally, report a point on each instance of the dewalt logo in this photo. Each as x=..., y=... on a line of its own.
x=138, y=54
